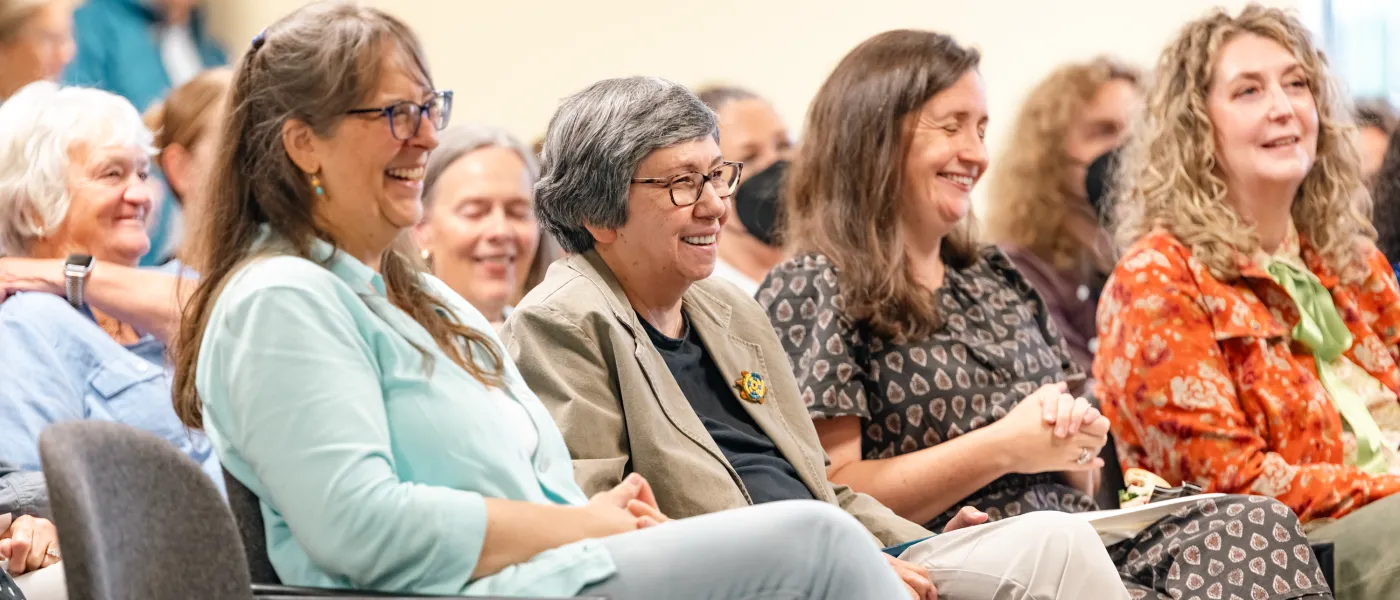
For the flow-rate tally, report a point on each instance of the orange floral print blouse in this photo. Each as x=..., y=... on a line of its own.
x=1202, y=383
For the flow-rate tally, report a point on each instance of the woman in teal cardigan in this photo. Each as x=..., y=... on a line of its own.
x=391, y=442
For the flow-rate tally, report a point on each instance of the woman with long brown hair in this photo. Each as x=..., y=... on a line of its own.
x=1038, y=210
x=1248, y=337
x=186, y=126
x=929, y=365
x=372, y=410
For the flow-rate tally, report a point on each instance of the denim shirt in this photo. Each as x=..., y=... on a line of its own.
x=372, y=467
x=57, y=364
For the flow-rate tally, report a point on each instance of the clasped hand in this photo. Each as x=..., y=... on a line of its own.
x=628, y=506
x=1050, y=430
x=29, y=544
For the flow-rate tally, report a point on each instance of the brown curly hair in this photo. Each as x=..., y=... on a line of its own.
x=1170, y=178
x=1030, y=195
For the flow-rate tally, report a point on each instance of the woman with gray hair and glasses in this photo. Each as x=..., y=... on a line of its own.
x=478, y=231
x=652, y=367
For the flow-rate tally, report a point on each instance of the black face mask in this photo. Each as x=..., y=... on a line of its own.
x=756, y=202
x=1098, y=182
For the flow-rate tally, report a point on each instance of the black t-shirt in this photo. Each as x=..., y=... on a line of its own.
x=766, y=474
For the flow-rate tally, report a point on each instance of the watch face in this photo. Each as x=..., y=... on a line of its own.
x=78, y=260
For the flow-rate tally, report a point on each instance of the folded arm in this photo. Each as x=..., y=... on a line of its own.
x=147, y=299
x=22, y=492
x=920, y=485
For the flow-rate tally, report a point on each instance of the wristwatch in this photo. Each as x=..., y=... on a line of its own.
x=76, y=269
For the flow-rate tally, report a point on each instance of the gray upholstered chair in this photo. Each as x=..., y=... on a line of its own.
x=247, y=513
x=138, y=519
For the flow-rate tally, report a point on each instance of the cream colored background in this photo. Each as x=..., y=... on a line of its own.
x=511, y=62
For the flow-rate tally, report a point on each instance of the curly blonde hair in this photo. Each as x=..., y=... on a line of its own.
x=1170, y=177
x=1030, y=194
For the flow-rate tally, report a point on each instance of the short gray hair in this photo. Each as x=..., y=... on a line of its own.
x=39, y=126
x=462, y=140
x=594, y=144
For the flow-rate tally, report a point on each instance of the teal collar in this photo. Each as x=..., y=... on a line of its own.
x=359, y=276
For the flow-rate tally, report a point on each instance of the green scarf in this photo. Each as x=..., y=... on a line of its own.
x=1321, y=330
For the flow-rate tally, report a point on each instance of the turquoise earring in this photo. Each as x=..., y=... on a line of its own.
x=316, y=182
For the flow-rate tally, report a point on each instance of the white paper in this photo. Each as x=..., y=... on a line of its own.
x=1115, y=526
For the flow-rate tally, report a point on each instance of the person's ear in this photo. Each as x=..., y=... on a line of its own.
x=601, y=235
x=300, y=143
x=423, y=237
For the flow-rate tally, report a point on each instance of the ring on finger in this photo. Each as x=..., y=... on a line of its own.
x=53, y=551
x=1085, y=455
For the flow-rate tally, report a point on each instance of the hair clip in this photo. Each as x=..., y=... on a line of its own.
x=259, y=39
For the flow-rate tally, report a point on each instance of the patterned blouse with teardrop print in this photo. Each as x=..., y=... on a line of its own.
x=1203, y=382
x=997, y=345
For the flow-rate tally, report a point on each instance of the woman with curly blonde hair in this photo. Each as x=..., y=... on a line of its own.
x=1040, y=213
x=1248, y=338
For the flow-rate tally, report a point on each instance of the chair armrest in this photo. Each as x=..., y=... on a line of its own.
x=1326, y=560
x=264, y=591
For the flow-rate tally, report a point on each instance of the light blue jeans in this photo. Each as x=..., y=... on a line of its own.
x=795, y=550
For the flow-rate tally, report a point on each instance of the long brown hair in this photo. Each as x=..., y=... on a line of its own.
x=1030, y=193
x=1169, y=177
x=313, y=65
x=846, y=184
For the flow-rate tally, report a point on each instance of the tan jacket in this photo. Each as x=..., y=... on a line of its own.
x=580, y=347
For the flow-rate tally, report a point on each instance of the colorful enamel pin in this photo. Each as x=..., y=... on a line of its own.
x=752, y=387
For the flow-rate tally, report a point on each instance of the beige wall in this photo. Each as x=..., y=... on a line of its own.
x=511, y=62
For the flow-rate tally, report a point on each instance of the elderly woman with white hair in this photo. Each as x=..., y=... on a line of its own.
x=652, y=367
x=479, y=231
x=74, y=168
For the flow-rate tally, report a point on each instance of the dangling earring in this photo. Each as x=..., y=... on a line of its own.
x=316, y=183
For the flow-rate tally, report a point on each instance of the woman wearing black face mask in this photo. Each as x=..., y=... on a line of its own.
x=756, y=204
x=751, y=132
x=1037, y=211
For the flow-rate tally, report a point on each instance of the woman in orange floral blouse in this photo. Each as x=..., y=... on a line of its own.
x=1248, y=338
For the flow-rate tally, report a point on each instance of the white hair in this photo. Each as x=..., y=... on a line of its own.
x=39, y=127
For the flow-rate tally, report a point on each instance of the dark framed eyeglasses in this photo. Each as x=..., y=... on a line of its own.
x=406, y=117
x=686, y=188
